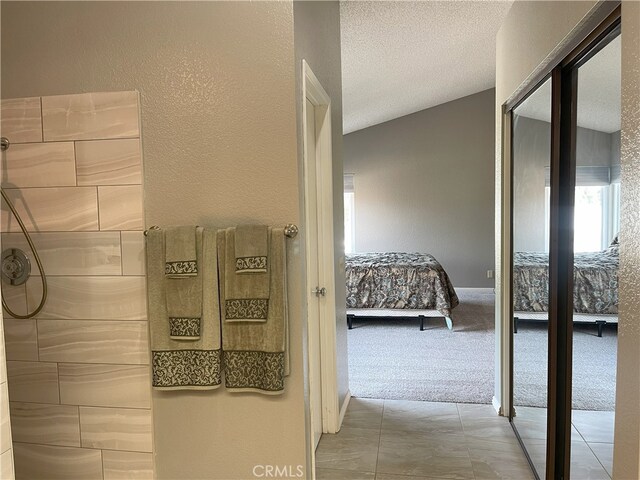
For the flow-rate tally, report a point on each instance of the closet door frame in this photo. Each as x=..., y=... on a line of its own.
x=564, y=96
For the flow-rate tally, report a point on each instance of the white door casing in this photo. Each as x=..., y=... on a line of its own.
x=320, y=264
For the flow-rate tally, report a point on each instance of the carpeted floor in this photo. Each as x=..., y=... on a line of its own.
x=392, y=359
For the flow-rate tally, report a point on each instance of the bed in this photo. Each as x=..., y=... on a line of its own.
x=595, y=286
x=398, y=285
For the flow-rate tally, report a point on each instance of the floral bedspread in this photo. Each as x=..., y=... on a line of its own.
x=399, y=281
x=595, y=282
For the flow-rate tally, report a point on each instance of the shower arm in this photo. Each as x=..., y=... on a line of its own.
x=4, y=145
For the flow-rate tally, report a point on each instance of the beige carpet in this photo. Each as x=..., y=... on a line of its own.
x=393, y=359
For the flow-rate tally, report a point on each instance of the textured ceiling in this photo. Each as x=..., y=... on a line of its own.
x=599, y=94
x=402, y=57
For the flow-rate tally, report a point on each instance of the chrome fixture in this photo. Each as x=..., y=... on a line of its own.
x=16, y=266
x=290, y=230
x=319, y=292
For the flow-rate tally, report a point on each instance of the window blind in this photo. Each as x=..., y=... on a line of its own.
x=589, y=176
x=348, y=183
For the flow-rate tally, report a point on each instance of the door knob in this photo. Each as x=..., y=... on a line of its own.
x=319, y=292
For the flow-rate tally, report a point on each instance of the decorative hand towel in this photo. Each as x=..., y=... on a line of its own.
x=179, y=365
x=184, y=292
x=256, y=354
x=180, y=252
x=252, y=247
x=247, y=296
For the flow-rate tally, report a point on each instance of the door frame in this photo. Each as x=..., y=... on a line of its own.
x=313, y=91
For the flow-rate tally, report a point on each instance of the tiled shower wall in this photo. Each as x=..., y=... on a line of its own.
x=78, y=374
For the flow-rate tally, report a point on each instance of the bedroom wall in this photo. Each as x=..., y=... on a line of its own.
x=218, y=92
x=531, y=150
x=424, y=183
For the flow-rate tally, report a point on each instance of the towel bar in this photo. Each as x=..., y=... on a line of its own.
x=290, y=230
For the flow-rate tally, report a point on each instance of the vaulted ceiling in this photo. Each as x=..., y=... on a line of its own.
x=402, y=57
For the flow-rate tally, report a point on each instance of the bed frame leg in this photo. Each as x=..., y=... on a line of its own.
x=421, y=317
x=350, y=321
x=515, y=324
x=449, y=323
x=600, y=324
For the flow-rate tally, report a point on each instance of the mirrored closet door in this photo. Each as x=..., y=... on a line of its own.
x=565, y=217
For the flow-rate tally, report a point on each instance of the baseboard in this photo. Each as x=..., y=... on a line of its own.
x=486, y=290
x=343, y=409
x=496, y=406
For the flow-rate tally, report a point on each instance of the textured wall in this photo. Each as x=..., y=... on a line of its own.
x=424, y=183
x=217, y=87
x=626, y=462
x=317, y=40
x=530, y=37
x=79, y=371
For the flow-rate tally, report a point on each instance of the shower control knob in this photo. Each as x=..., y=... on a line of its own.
x=16, y=267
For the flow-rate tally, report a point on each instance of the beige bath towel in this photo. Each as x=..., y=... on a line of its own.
x=180, y=252
x=184, y=292
x=247, y=296
x=252, y=248
x=256, y=354
x=179, y=365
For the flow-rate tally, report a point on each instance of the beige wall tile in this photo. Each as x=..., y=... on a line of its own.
x=21, y=339
x=60, y=209
x=127, y=465
x=116, y=428
x=15, y=296
x=105, y=385
x=39, y=165
x=72, y=253
x=5, y=425
x=90, y=116
x=109, y=162
x=57, y=463
x=21, y=119
x=6, y=465
x=33, y=382
x=133, y=253
x=96, y=341
x=120, y=208
x=89, y=298
x=45, y=424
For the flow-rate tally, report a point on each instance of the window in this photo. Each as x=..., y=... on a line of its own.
x=597, y=208
x=349, y=214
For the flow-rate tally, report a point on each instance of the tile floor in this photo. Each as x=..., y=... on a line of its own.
x=409, y=440
x=591, y=441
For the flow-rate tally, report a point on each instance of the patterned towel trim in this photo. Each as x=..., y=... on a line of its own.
x=247, y=309
x=187, y=267
x=184, y=327
x=186, y=368
x=252, y=369
x=251, y=264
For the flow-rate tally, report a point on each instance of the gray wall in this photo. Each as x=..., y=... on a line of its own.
x=424, y=183
x=317, y=40
x=218, y=90
x=531, y=154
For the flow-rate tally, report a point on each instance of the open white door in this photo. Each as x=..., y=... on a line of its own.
x=320, y=280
